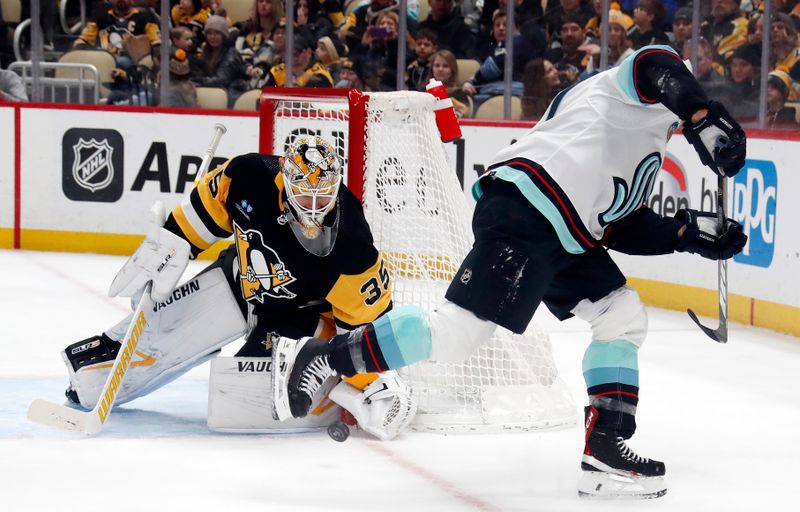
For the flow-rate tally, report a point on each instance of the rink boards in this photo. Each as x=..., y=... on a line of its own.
x=81, y=179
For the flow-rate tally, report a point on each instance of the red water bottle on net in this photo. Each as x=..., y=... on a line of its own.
x=446, y=119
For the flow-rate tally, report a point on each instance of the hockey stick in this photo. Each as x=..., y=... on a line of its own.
x=720, y=334
x=90, y=422
x=219, y=131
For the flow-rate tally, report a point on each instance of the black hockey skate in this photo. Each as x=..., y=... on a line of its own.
x=299, y=369
x=612, y=470
x=97, y=349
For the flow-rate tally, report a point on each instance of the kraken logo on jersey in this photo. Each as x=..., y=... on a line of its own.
x=261, y=271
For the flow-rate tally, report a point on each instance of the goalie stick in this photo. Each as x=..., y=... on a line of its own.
x=90, y=422
x=219, y=131
x=720, y=334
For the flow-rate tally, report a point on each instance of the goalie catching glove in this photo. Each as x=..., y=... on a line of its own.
x=719, y=140
x=704, y=236
x=384, y=408
x=161, y=258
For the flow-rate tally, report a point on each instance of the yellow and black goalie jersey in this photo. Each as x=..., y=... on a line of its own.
x=244, y=198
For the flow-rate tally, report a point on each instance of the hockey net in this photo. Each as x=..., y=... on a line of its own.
x=420, y=221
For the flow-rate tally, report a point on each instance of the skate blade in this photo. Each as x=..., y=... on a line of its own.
x=602, y=485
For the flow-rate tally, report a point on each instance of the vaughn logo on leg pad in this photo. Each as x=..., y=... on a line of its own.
x=92, y=164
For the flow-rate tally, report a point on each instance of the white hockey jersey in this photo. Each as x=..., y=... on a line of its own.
x=593, y=157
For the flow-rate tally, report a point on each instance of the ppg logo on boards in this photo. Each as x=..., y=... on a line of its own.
x=92, y=164
x=755, y=196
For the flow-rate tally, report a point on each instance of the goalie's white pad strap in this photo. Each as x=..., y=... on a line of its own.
x=197, y=319
x=384, y=409
x=240, y=400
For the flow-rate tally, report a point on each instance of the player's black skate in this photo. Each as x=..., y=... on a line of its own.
x=94, y=350
x=612, y=470
x=299, y=369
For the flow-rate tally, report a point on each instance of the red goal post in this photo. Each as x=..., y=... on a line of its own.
x=420, y=220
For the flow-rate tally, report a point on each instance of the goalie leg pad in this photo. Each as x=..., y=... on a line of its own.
x=240, y=400
x=190, y=327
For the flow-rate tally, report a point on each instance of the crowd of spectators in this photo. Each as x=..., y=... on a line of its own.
x=354, y=43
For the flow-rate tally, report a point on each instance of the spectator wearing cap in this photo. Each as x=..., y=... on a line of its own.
x=182, y=92
x=619, y=46
x=785, y=48
x=221, y=64
x=305, y=72
x=329, y=53
x=647, y=17
x=742, y=90
x=681, y=28
x=350, y=75
x=567, y=56
x=726, y=28
x=449, y=25
x=554, y=18
x=779, y=89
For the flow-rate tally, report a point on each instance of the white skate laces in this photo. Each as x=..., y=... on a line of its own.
x=315, y=374
x=626, y=453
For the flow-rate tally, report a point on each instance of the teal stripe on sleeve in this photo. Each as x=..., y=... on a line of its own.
x=625, y=72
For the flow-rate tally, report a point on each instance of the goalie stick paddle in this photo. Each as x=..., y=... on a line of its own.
x=90, y=422
x=720, y=334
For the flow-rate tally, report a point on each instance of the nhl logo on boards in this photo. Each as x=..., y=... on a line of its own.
x=92, y=165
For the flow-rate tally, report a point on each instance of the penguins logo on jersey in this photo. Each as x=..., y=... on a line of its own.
x=261, y=271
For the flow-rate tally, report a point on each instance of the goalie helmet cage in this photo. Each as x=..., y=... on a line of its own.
x=420, y=219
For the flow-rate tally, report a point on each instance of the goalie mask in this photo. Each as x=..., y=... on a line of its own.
x=312, y=175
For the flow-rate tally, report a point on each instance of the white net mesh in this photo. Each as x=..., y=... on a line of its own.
x=420, y=220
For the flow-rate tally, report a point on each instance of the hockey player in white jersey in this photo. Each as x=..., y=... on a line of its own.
x=547, y=209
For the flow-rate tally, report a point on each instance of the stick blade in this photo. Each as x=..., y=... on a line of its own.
x=60, y=416
x=720, y=335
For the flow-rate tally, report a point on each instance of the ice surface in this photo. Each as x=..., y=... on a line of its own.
x=723, y=417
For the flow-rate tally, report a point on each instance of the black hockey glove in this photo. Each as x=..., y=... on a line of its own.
x=718, y=139
x=702, y=235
